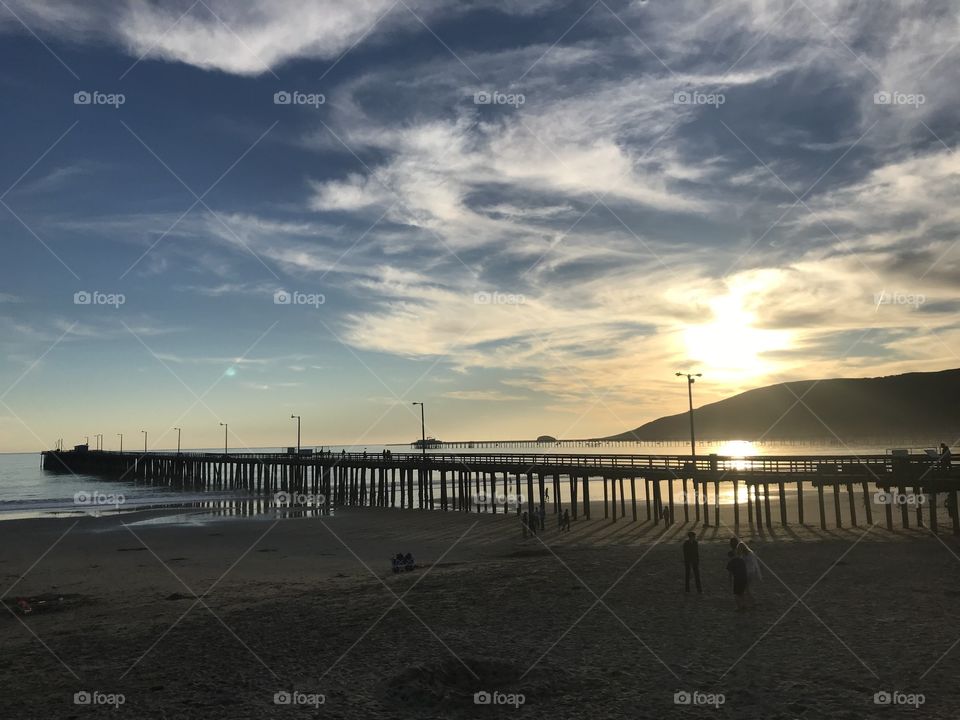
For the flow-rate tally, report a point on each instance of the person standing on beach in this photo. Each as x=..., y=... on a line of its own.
x=754, y=575
x=737, y=568
x=566, y=521
x=691, y=561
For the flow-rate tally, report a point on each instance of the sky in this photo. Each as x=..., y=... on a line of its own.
x=528, y=215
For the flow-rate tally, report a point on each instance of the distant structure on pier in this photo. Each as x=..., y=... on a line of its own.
x=430, y=443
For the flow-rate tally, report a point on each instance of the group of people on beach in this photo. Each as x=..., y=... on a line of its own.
x=535, y=521
x=743, y=569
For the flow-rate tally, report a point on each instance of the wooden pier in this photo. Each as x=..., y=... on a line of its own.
x=676, y=488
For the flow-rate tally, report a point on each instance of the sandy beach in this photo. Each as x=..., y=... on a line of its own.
x=252, y=618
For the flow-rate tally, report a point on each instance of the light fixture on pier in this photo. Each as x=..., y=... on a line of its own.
x=298, y=432
x=423, y=432
x=178, y=439
x=225, y=428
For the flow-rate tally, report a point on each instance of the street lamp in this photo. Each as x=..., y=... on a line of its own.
x=693, y=453
x=144, y=441
x=120, y=435
x=423, y=432
x=690, y=381
x=225, y=428
x=178, y=439
x=298, y=432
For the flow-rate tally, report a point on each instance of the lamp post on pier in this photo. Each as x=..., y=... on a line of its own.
x=144, y=441
x=298, y=432
x=423, y=432
x=225, y=428
x=120, y=435
x=691, y=379
x=178, y=439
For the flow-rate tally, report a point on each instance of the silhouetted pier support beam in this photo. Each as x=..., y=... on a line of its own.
x=606, y=510
x=836, y=503
x=696, y=500
x=686, y=505
x=867, y=507
x=783, y=503
x=736, y=503
x=670, y=499
x=646, y=496
x=633, y=496
x=800, y=501
x=573, y=495
x=823, y=512
x=853, y=504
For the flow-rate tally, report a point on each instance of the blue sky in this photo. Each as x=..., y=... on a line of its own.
x=527, y=214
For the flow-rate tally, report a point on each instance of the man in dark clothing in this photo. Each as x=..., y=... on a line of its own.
x=691, y=561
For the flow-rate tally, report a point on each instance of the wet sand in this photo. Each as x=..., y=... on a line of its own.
x=591, y=623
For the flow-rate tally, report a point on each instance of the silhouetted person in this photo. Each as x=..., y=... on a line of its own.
x=691, y=561
x=737, y=568
x=566, y=520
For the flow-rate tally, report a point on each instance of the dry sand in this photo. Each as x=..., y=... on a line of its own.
x=592, y=623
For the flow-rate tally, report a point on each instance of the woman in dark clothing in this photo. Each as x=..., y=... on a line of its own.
x=737, y=567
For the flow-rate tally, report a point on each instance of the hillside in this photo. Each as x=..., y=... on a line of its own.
x=896, y=406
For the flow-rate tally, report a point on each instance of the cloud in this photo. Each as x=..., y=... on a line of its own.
x=482, y=395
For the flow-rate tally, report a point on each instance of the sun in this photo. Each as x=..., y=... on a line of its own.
x=730, y=346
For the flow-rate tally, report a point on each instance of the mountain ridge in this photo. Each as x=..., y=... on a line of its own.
x=908, y=405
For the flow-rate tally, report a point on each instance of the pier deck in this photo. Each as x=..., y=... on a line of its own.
x=515, y=482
